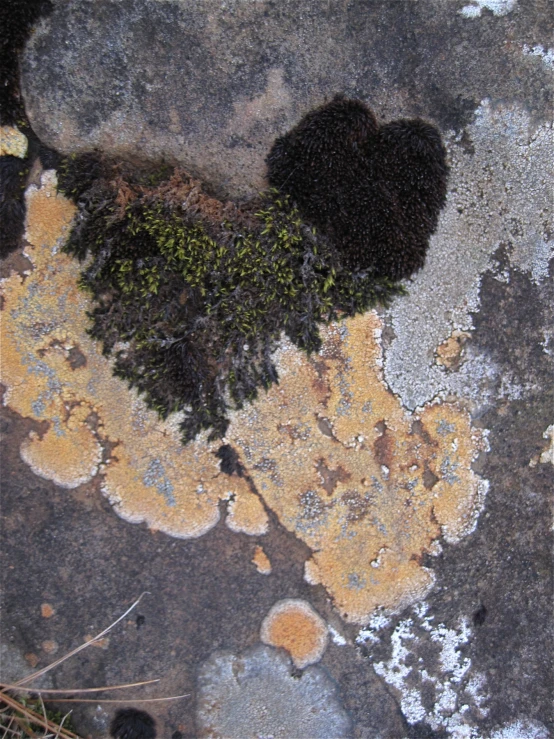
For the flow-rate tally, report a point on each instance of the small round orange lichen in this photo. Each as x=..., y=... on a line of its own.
x=46, y=610
x=32, y=659
x=450, y=353
x=49, y=646
x=295, y=626
x=262, y=562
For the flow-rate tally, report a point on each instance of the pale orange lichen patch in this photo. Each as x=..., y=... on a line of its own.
x=49, y=646
x=450, y=353
x=295, y=626
x=452, y=444
x=99, y=643
x=32, y=659
x=46, y=610
x=48, y=213
x=12, y=142
x=68, y=453
x=261, y=560
x=54, y=372
x=247, y=515
x=367, y=485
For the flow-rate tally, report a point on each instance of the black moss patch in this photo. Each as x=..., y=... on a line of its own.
x=130, y=723
x=375, y=190
x=13, y=175
x=17, y=18
x=229, y=461
x=192, y=294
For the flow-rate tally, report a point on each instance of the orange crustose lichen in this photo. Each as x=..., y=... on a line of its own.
x=295, y=626
x=368, y=486
x=261, y=561
x=54, y=372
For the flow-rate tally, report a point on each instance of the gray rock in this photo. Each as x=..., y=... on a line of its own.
x=211, y=84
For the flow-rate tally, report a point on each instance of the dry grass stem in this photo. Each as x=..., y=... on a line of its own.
x=47, y=691
x=25, y=718
x=39, y=673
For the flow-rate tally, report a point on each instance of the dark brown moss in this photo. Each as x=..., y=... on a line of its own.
x=130, y=723
x=12, y=205
x=375, y=191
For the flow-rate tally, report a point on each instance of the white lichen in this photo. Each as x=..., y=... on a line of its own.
x=499, y=194
x=497, y=7
x=544, y=54
x=426, y=659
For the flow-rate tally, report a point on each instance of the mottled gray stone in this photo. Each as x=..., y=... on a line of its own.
x=211, y=84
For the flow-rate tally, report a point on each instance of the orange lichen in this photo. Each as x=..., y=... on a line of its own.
x=54, y=372
x=295, y=626
x=247, y=515
x=32, y=659
x=12, y=142
x=49, y=646
x=46, y=610
x=68, y=453
x=450, y=353
x=262, y=562
x=98, y=643
x=365, y=484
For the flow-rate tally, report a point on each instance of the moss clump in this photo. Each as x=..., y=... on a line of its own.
x=192, y=294
x=130, y=723
x=375, y=190
x=24, y=717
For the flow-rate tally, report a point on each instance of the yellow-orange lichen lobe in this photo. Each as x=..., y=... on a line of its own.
x=245, y=512
x=261, y=561
x=68, y=453
x=295, y=626
x=449, y=460
x=12, y=142
x=367, y=485
x=54, y=372
x=450, y=353
x=49, y=214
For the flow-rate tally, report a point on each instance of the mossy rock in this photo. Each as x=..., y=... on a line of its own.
x=191, y=295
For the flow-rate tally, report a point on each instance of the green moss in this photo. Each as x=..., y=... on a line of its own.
x=191, y=295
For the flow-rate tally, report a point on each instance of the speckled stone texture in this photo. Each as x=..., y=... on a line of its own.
x=210, y=85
